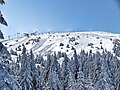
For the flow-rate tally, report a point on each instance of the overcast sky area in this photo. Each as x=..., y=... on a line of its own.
x=60, y=15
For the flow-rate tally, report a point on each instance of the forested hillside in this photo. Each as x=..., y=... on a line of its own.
x=59, y=61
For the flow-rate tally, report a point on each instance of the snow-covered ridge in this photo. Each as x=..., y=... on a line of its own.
x=64, y=42
x=60, y=71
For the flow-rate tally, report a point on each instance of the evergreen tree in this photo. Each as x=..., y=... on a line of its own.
x=80, y=83
x=2, y=2
x=6, y=81
x=75, y=64
x=88, y=84
x=56, y=83
x=71, y=82
x=37, y=81
x=65, y=72
x=26, y=73
x=36, y=77
x=116, y=48
x=55, y=66
x=55, y=73
x=39, y=59
x=1, y=35
x=46, y=72
x=98, y=70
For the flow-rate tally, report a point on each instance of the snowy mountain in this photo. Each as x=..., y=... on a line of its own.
x=62, y=61
x=64, y=42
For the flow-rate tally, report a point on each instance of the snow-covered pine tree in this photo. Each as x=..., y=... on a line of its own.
x=116, y=48
x=6, y=81
x=80, y=82
x=110, y=76
x=51, y=75
x=46, y=73
x=98, y=70
x=65, y=72
x=75, y=64
x=55, y=65
x=82, y=59
x=102, y=83
x=56, y=78
x=22, y=59
x=26, y=73
x=39, y=59
x=2, y=2
x=117, y=79
x=37, y=80
x=91, y=66
x=71, y=81
x=88, y=83
x=35, y=75
x=49, y=84
x=56, y=81
x=2, y=20
x=1, y=35
x=114, y=69
x=88, y=69
x=53, y=82
x=3, y=50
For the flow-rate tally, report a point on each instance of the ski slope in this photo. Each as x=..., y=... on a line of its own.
x=50, y=42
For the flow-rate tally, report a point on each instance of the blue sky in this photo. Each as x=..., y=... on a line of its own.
x=60, y=15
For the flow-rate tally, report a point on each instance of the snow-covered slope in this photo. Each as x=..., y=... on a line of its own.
x=64, y=42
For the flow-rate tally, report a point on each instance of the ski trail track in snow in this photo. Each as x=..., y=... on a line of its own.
x=39, y=44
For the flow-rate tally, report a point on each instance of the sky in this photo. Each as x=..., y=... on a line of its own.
x=60, y=16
